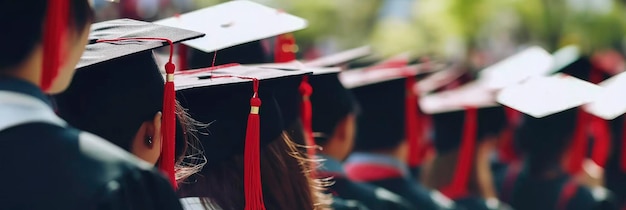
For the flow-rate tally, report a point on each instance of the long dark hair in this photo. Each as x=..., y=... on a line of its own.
x=286, y=180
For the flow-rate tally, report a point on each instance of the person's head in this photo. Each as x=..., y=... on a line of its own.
x=224, y=101
x=118, y=91
x=381, y=121
x=544, y=141
x=25, y=43
x=449, y=128
x=334, y=115
x=448, y=133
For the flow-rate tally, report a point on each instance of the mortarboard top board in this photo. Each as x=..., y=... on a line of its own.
x=96, y=53
x=234, y=23
x=609, y=104
x=363, y=77
x=106, y=85
x=543, y=96
x=340, y=57
x=438, y=79
x=564, y=57
x=469, y=95
x=530, y=62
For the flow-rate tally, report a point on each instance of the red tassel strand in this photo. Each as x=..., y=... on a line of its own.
x=599, y=127
x=578, y=148
x=306, y=113
x=602, y=141
x=55, y=30
x=506, y=149
x=285, y=48
x=458, y=186
x=167, y=160
x=411, y=123
x=252, y=172
x=183, y=55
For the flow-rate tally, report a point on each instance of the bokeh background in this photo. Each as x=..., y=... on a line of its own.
x=476, y=32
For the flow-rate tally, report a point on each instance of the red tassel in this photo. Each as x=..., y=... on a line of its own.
x=306, y=113
x=55, y=30
x=285, y=48
x=578, y=147
x=602, y=141
x=252, y=172
x=506, y=149
x=411, y=123
x=458, y=186
x=426, y=149
x=182, y=57
x=167, y=160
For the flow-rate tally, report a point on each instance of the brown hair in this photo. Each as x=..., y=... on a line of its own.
x=189, y=152
x=284, y=174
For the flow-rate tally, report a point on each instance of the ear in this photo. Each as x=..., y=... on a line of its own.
x=147, y=142
x=342, y=129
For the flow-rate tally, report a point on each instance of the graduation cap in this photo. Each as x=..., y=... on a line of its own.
x=117, y=85
x=236, y=25
x=555, y=99
x=533, y=61
x=321, y=92
x=387, y=104
x=460, y=117
x=241, y=105
x=54, y=36
x=340, y=57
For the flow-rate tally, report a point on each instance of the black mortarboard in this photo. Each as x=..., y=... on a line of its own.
x=227, y=98
x=117, y=85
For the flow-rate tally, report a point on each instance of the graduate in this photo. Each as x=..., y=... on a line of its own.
x=334, y=125
x=550, y=110
x=64, y=168
x=252, y=162
x=380, y=149
x=467, y=124
x=117, y=107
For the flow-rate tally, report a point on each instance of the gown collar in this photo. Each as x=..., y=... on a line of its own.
x=363, y=166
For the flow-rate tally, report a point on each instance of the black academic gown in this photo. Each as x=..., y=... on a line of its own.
x=521, y=191
x=369, y=195
x=393, y=175
x=48, y=165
